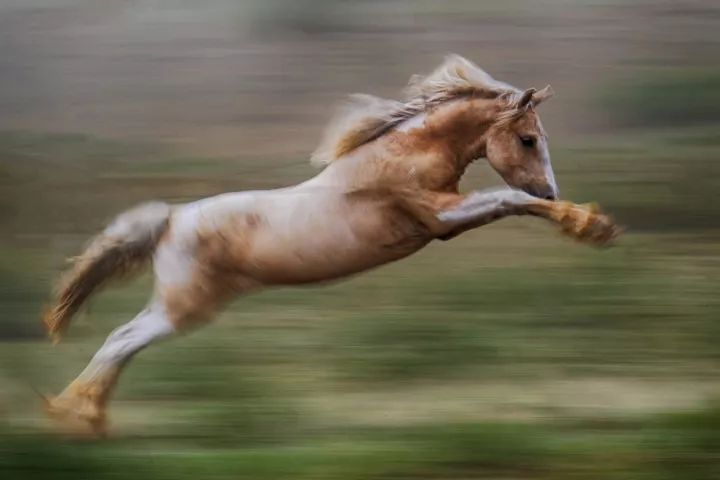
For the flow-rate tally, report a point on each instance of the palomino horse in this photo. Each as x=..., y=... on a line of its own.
x=389, y=187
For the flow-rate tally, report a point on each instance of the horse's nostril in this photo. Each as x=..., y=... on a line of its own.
x=551, y=197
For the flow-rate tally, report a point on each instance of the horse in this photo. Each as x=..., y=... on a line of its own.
x=388, y=186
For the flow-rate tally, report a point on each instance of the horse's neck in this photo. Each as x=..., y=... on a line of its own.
x=429, y=151
x=384, y=164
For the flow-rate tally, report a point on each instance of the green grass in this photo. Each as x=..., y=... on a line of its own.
x=661, y=447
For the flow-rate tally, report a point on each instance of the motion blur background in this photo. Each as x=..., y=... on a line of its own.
x=509, y=352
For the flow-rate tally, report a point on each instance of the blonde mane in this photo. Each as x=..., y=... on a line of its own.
x=365, y=117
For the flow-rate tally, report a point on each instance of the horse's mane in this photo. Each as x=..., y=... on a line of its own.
x=366, y=117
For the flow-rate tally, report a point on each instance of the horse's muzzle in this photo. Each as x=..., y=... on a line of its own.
x=545, y=192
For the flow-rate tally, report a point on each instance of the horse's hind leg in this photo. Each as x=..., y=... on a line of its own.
x=87, y=396
x=187, y=294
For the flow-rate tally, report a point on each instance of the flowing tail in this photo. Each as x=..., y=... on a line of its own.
x=122, y=249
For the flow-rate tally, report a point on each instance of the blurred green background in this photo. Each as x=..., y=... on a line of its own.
x=508, y=353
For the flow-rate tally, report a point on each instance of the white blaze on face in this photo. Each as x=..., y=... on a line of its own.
x=547, y=164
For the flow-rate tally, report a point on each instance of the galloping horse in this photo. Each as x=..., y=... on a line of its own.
x=389, y=187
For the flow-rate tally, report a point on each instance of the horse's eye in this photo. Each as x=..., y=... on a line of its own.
x=528, y=141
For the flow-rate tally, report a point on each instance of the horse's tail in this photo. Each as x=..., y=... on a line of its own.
x=123, y=248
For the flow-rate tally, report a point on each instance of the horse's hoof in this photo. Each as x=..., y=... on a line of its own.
x=587, y=224
x=76, y=417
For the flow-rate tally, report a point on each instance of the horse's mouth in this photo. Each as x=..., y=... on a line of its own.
x=545, y=192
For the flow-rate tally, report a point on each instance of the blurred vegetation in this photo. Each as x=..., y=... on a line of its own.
x=506, y=353
x=668, y=446
x=667, y=98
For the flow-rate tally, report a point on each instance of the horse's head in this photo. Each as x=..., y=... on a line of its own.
x=459, y=113
x=516, y=147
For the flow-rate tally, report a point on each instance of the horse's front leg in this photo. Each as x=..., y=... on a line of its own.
x=583, y=222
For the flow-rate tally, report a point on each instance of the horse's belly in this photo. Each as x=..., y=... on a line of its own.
x=330, y=249
x=306, y=265
x=292, y=238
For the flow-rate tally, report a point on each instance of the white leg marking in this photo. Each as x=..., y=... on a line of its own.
x=486, y=205
x=150, y=325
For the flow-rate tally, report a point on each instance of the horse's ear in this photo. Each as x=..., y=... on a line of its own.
x=542, y=95
x=525, y=98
